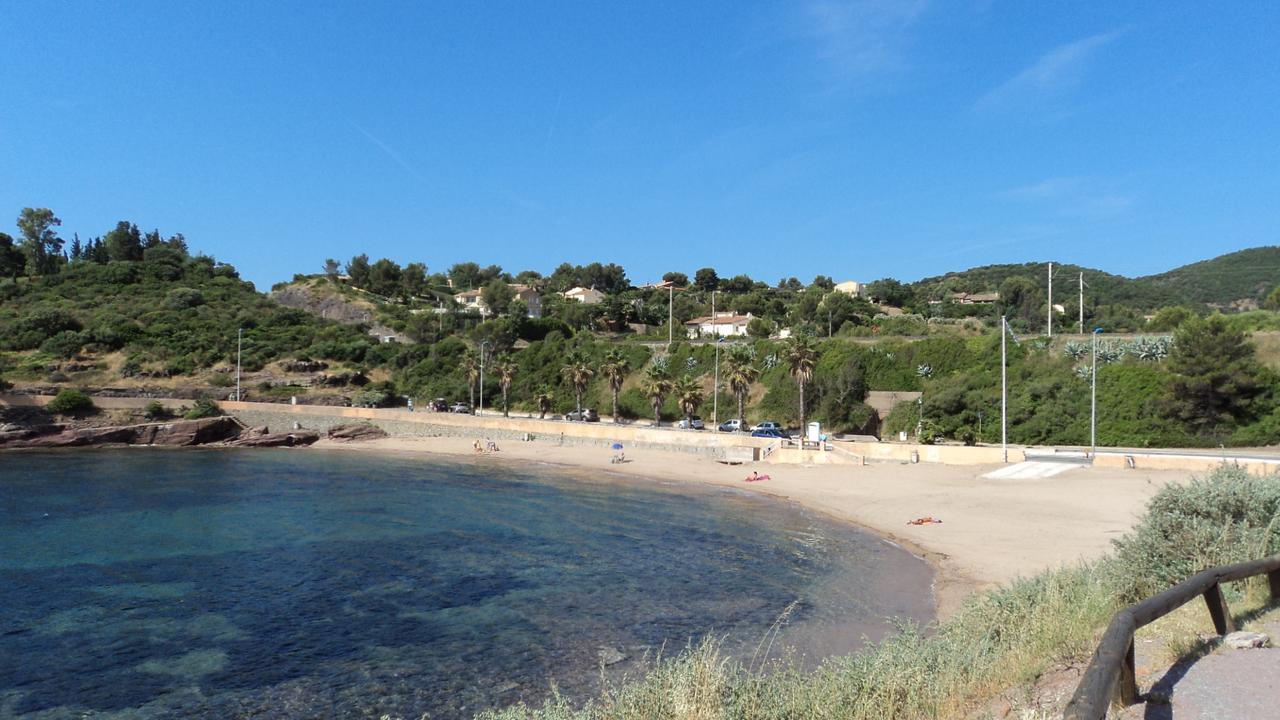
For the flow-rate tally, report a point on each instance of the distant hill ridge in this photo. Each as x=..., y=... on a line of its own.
x=1246, y=275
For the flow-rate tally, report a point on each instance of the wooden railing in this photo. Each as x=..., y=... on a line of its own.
x=1111, y=672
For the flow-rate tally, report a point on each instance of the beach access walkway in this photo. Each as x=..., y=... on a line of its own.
x=1226, y=683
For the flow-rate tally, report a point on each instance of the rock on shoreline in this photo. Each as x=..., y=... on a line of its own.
x=179, y=433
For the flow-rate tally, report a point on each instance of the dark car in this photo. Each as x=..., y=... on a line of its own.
x=438, y=405
x=768, y=433
x=460, y=407
x=586, y=415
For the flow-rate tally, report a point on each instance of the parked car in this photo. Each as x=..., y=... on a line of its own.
x=460, y=407
x=767, y=425
x=768, y=433
x=438, y=405
x=695, y=422
x=587, y=415
x=734, y=425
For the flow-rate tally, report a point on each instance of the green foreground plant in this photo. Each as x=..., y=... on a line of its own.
x=1001, y=638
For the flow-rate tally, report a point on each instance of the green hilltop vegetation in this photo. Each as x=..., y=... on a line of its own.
x=133, y=309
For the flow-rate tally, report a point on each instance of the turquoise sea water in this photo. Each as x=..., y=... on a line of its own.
x=291, y=584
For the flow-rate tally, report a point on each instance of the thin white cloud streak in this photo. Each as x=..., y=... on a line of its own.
x=857, y=38
x=1072, y=196
x=1055, y=72
x=1048, y=188
x=391, y=153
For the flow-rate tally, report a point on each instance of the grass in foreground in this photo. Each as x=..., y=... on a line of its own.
x=1001, y=639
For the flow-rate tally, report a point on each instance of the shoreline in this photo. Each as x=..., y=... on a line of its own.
x=993, y=530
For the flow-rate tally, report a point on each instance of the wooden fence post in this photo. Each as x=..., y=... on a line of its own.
x=1218, y=610
x=1127, y=687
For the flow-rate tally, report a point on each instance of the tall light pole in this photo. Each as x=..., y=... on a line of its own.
x=483, y=345
x=1093, y=398
x=714, y=330
x=1004, y=389
x=715, y=388
x=239, y=348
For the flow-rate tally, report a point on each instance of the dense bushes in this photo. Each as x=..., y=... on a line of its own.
x=70, y=402
x=1228, y=517
x=180, y=311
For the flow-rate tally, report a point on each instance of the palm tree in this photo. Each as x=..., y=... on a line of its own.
x=471, y=368
x=801, y=355
x=544, y=400
x=614, y=368
x=506, y=371
x=688, y=394
x=739, y=374
x=578, y=373
x=656, y=387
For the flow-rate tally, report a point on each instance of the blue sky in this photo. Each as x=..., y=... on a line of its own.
x=852, y=139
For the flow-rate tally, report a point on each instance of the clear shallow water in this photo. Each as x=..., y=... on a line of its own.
x=151, y=583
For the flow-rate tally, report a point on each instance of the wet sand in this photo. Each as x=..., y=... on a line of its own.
x=992, y=530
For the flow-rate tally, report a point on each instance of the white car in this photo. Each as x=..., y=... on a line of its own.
x=684, y=423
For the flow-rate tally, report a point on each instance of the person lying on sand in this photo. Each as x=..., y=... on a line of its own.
x=926, y=520
x=756, y=477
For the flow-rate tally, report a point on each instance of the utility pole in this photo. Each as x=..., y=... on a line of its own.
x=1093, y=399
x=671, y=316
x=1081, y=303
x=239, y=348
x=1004, y=390
x=1050, y=324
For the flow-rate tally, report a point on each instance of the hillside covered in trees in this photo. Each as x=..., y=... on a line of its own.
x=134, y=309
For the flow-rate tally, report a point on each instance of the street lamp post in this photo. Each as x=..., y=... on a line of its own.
x=1093, y=398
x=483, y=345
x=920, y=417
x=1004, y=389
x=239, y=348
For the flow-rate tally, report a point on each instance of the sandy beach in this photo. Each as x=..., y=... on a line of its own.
x=992, y=530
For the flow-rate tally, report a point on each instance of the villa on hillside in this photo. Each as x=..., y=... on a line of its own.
x=586, y=296
x=723, y=324
x=474, y=300
x=852, y=287
x=961, y=298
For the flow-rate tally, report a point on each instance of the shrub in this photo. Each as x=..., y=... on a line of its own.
x=64, y=345
x=1228, y=516
x=203, y=408
x=371, y=398
x=221, y=380
x=71, y=402
x=156, y=410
